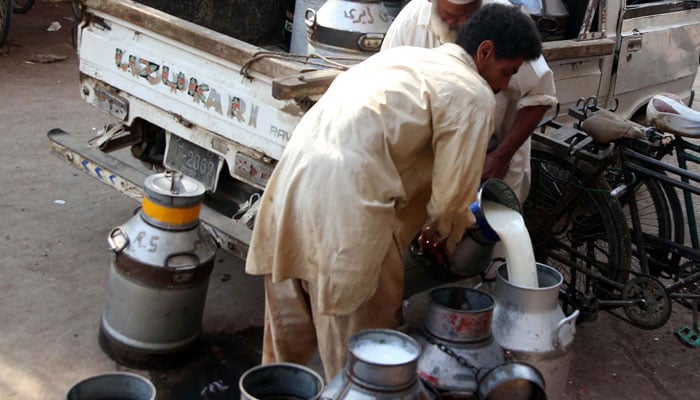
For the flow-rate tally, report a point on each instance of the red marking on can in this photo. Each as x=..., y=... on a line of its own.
x=429, y=378
x=470, y=324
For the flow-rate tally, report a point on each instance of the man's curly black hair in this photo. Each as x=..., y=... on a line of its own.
x=512, y=32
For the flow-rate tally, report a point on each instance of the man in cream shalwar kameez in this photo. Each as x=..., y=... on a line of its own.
x=518, y=108
x=326, y=233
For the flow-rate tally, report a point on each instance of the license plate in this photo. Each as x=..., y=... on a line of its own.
x=193, y=161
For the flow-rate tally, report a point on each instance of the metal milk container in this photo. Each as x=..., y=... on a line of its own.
x=159, y=275
x=457, y=340
x=381, y=365
x=352, y=29
x=461, y=359
x=530, y=323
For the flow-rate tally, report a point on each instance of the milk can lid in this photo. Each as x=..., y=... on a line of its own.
x=173, y=188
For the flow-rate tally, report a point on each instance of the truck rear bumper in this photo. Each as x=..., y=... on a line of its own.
x=128, y=179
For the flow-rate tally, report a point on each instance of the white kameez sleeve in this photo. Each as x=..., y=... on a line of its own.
x=534, y=84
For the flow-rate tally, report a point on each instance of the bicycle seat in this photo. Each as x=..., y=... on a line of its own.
x=604, y=126
x=668, y=113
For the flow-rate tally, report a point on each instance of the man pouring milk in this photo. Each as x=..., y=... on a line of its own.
x=404, y=122
x=519, y=107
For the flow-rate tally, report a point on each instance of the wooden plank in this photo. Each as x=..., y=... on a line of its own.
x=303, y=85
x=573, y=49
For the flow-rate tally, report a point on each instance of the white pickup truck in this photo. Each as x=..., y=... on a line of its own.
x=196, y=99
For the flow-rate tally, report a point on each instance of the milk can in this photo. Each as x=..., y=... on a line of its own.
x=300, y=37
x=460, y=357
x=530, y=323
x=381, y=365
x=457, y=340
x=158, y=278
x=351, y=29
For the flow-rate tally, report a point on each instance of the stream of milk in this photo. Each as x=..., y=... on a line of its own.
x=510, y=227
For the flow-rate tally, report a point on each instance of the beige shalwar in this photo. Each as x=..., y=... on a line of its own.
x=326, y=232
x=533, y=85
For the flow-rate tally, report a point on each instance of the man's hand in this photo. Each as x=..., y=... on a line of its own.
x=430, y=244
x=494, y=166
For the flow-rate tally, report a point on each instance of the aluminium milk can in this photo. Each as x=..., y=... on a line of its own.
x=458, y=318
x=159, y=275
x=352, y=29
x=381, y=365
x=530, y=324
x=461, y=359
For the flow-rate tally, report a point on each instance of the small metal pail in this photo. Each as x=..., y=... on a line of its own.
x=512, y=381
x=113, y=385
x=280, y=381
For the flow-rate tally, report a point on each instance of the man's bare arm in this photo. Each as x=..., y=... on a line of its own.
x=497, y=161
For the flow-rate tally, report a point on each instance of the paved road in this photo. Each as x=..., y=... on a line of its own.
x=53, y=256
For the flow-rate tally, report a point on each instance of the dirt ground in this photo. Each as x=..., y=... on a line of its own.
x=54, y=222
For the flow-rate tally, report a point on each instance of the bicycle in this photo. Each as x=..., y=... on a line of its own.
x=605, y=211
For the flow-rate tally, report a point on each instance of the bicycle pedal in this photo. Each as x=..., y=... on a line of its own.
x=688, y=336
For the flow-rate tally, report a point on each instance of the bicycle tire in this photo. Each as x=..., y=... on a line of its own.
x=678, y=220
x=5, y=18
x=590, y=233
x=22, y=6
x=655, y=220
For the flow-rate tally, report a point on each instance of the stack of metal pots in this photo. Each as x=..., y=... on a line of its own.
x=159, y=275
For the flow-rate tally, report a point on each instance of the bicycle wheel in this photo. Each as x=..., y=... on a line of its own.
x=22, y=6
x=5, y=17
x=589, y=234
x=658, y=208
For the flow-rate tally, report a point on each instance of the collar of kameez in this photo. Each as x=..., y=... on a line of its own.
x=457, y=51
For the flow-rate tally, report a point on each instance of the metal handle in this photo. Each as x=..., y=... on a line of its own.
x=310, y=18
x=570, y=320
x=117, y=239
x=182, y=262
